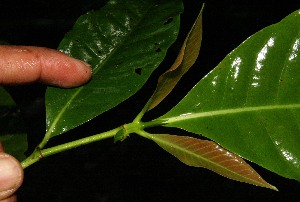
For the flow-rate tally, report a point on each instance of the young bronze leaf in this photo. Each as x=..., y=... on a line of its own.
x=207, y=154
x=185, y=59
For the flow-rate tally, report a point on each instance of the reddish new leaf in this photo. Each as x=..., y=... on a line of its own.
x=207, y=154
x=185, y=59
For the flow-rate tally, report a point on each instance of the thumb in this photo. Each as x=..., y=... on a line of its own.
x=11, y=175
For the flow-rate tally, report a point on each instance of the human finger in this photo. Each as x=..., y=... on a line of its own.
x=27, y=64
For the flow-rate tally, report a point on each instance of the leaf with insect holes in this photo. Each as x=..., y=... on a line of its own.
x=124, y=42
x=207, y=154
x=184, y=61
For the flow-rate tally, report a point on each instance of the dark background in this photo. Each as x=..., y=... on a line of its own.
x=136, y=169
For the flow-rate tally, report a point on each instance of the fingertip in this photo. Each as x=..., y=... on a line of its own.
x=84, y=72
x=61, y=70
x=73, y=74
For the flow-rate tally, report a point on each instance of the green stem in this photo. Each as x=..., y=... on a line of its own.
x=39, y=154
x=134, y=127
x=139, y=117
x=144, y=134
x=44, y=141
x=152, y=124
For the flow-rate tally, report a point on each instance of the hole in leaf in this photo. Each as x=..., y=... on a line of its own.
x=168, y=21
x=138, y=71
x=158, y=50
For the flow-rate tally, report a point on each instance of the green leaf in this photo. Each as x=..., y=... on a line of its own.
x=207, y=154
x=184, y=61
x=15, y=144
x=12, y=131
x=5, y=98
x=124, y=42
x=250, y=103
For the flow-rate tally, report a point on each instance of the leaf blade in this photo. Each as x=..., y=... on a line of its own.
x=184, y=61
x=252, y=97
x=207, y=154
x=15, y=144
x=124, y=43
x=6, y=99
x=12, y=130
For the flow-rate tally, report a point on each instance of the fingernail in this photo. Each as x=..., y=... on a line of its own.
x=10, y=173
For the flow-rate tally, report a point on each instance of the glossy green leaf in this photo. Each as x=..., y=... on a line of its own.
x=250, y=103
x=124, y=42
x=184, y=61
x=207, y=154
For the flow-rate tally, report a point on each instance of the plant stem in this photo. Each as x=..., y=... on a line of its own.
x=139, y=117
x=134, y=127
x=39, y=154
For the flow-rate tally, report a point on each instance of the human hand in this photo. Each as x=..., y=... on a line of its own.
x=28, y=64
x=11, y=176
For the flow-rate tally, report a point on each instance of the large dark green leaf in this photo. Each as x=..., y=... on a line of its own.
x=250, y=103
x=124, y=42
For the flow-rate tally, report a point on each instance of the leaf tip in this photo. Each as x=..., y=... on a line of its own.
x=272, y=187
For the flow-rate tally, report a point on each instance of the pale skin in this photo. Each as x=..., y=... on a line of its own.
x=28, y=64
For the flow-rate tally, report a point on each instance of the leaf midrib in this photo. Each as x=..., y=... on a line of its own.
x=194, y=115
x=193, y=154
x=76, y=93
x=52, y=126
